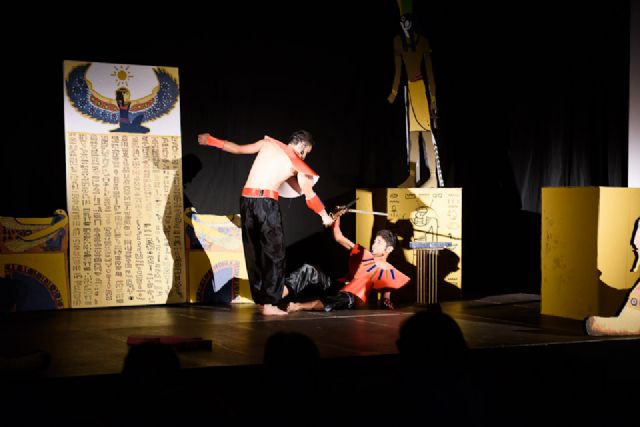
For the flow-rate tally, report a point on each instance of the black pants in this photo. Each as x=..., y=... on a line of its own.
x=264, y=250
x=309, y=281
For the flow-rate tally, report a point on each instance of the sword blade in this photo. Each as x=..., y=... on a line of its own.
x=367, y=212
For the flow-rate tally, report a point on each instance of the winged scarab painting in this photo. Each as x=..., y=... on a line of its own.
x=128, y=115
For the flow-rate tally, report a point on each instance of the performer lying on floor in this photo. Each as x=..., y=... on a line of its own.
x=367, y=271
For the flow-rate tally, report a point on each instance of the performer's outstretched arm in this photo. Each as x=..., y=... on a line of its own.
x=339, y=237
x=228, y=146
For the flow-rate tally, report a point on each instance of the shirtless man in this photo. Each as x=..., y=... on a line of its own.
x=278, y=170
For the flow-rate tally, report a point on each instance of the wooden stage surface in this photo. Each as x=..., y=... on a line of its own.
x=93, y=341
x=518, y=357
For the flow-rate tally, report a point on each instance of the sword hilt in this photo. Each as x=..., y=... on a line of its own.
x=342, y=209
x=338, y=211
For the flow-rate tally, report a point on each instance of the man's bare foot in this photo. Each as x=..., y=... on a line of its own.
x=272, y=310
x=315, y=305
x=294, y=306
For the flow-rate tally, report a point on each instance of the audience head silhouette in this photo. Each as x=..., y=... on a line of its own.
x=431, y=334
x=291, y=358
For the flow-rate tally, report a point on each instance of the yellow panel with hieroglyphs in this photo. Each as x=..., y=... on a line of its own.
x=416, y=214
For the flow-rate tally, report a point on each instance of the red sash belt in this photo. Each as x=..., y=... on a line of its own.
x=256, y=192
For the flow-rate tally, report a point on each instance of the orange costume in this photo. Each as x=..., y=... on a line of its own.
x=366, y=273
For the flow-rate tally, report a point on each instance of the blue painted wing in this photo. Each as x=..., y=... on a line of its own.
x=161, y=101
x=86, y=100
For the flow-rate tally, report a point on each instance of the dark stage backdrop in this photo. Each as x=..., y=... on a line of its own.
x=530, y=95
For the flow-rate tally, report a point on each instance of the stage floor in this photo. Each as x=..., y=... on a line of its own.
x=88, y=342
x=522, y=368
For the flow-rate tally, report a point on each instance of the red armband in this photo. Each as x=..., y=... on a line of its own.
x=215, y=142
x=315, y=204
